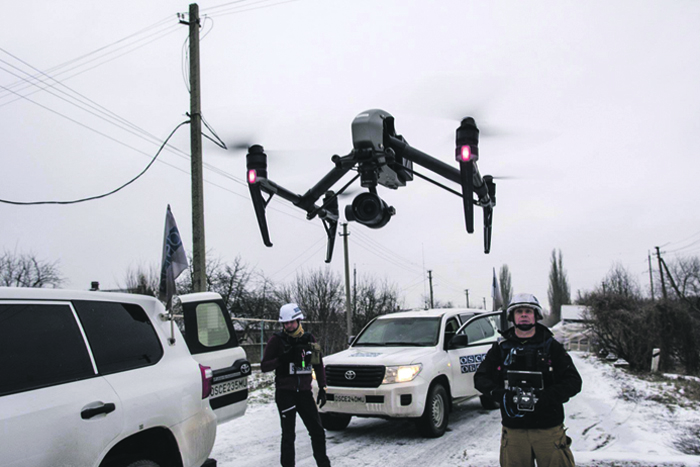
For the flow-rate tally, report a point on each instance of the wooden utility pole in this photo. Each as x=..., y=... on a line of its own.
x=661, y=271
x=430, y=279
x=651, y=277
x=467, y=292
x=199, y=273
x=348, y=308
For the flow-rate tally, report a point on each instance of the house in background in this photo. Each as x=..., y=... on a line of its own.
x=573, y=313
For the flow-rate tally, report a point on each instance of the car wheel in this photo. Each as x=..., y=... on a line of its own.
x=435, y=417
x=143, y=463
x=488, y=402
x=335, y=421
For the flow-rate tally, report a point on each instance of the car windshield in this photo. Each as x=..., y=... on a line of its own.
x=420, y=332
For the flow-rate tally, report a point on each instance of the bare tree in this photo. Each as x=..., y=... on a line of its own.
x=558, y=292
x=373, y=297
x=620, y=282
x=26, y=270
x=143, y=280
x=505, y=284
x=321, y=296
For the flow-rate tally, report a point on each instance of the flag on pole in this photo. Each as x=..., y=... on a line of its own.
x=174, y=260
x=496, y=293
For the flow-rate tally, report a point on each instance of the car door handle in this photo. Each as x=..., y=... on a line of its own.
x=87, y=414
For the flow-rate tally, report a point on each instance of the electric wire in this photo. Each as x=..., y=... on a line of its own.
x=320, y=246
x=408, y=263
x=116, y=120
x=164, y=33
x=681, y=249
x=381, y=255
x=448, y=283
x=218, y=140
x=104, y=195
x=185, y=60
x=245, y=7
x=315, y=244
x=181, y=154
x=224, y=5
x=415, y=284
x=90, y=107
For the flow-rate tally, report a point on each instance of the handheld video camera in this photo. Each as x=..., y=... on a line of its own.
x=524, y=384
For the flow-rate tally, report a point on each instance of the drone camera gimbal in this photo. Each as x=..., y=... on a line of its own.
x=380, y=157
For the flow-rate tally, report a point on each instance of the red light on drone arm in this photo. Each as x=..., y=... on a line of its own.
x=252, y=176
x=466, y=153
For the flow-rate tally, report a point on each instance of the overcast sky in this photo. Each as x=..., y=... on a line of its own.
x=593, y=109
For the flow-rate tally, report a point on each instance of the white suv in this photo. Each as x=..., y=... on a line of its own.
x=410, y=365
x=94, y=379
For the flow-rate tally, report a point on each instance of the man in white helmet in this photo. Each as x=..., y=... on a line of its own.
x=531, y=376
x=292, y=353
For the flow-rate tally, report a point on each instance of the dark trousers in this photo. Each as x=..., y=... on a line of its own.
x=289, y=403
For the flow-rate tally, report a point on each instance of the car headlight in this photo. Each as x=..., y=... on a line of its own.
x=401, y=374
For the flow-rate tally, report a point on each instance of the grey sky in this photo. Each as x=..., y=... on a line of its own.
x=593, y=106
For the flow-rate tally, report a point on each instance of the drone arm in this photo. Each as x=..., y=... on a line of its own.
x=403, y=149
x=342, y=166
x=328, y=214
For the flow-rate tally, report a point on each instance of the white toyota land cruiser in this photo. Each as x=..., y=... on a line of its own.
x=410, y=365
x=93, y=379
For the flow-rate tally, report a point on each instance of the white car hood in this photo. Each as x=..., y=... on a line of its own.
x=388, y=356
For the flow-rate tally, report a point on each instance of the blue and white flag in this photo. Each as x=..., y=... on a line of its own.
x=496, y=293
x=174, y=260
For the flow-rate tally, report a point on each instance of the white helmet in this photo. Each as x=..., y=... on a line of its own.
x=290, y=312
x=525, y=300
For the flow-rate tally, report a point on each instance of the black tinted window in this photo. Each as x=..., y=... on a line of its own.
x=120, y=334
x=40, y=345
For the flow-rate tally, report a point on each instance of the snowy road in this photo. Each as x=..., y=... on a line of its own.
x=607, y=430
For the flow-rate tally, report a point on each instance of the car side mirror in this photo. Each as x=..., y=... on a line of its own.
x=350, y=339
x=459, y=341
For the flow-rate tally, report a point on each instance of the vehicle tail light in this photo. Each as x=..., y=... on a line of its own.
x=207, y=376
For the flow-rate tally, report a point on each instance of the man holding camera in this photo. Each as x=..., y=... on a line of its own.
x=531, y=376
x=292, y=353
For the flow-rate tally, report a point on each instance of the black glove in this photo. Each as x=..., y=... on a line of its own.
x=497, y=394
x=321, y=398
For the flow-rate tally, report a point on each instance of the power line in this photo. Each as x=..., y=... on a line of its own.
x=163, y=33
x=396, y=256
x=113, y=118
x=104, y=195
x=244, y=8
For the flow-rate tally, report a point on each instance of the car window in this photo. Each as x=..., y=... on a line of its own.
x=451, y=327
x=40, y=345
x=120, y=334
x=466, y=316
x=481, y=331
x=487, y=328
x=401, y=331
x=474, y=332
x=211, y=326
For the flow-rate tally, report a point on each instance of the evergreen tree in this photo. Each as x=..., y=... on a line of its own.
x=505, y=284
x=558, y=291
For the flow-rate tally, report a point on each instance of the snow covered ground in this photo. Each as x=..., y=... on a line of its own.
x=617, y=420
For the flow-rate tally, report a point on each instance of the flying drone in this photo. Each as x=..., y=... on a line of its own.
x=380, y=157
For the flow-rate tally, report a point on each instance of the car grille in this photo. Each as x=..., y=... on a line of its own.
x=365, y=376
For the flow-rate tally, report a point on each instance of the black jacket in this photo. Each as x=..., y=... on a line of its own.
x=561, y=379
x=283, y=354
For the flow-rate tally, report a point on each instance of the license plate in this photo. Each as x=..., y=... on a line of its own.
x=347, y=398
x=228, y=387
